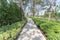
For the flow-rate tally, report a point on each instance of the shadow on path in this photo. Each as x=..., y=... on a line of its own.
x=31, y=32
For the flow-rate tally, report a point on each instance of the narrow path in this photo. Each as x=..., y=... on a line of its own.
x=31, y=32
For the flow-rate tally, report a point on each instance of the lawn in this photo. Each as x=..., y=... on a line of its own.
x=51, y=29
x=10, y=32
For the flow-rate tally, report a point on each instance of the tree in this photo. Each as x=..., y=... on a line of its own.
x=21, y=5
x=9, y=12
x=33, y=7
x=51, y=4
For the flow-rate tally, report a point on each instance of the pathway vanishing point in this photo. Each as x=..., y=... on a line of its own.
x=31, y=32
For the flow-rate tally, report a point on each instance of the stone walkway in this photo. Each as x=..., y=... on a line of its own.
x=31, y=32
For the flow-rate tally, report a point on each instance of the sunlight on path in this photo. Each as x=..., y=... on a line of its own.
x=31, y=32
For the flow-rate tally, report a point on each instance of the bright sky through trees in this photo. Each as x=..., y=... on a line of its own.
x=28, y=10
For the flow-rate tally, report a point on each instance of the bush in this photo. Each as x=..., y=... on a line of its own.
x=50, y=28
x=10, y=32
x=9, y=12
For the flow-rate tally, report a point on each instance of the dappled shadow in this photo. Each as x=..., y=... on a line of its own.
x=30, y=32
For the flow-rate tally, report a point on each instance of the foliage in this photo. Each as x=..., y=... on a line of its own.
x=10, y=32
x=50, y=28
x=33, y=9
x=9, y=12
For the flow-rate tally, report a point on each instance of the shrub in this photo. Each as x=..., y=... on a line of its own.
x=50, y=28
x=9, y=12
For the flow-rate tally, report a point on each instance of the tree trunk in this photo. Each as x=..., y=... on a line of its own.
x=49, y=18
x=21, y=8
x=50, y=11
x=21, y=13
x=33, y=7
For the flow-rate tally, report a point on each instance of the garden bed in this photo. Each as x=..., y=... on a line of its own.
x=51, y=29
x=10, y=32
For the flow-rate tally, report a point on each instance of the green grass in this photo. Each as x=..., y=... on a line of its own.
x=10, y=32
x=51, y=28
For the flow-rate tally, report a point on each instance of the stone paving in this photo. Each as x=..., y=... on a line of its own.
x=31, y=32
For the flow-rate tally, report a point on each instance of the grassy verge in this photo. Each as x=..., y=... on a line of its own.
x=50, y=28
x=10, y=32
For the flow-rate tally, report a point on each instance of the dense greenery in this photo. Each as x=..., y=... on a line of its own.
x=10, y=20
x=9, y=12
x=50, y=28
x=10, y=32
